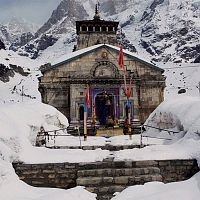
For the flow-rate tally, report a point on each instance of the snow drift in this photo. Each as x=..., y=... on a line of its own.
x=19, y=124
x=179, y=114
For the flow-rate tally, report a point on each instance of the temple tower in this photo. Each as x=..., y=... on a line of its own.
x=96, y=31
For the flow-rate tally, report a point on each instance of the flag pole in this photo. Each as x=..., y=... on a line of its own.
x=85, y=122
x=128, y=94
x=86, y=104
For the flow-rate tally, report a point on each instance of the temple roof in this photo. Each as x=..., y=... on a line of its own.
x=75, y=55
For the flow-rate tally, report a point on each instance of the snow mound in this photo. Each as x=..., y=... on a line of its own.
x=19, y=124
x=185, y=190
x=179, y=114
x=11, y=188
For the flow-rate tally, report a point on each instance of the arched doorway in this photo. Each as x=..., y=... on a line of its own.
x=104, y=107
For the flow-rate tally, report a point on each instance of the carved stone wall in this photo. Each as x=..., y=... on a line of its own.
x=64, y=86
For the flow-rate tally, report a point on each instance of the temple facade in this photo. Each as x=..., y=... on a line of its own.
x=94, y=65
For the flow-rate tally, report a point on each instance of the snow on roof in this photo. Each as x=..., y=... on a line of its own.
x=73, y=55
x=67, y=57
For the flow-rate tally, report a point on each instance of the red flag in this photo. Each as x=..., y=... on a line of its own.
x=128, y=93
x=87, y=97
x=121, y=58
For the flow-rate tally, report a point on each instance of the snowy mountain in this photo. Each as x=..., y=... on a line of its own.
x=14, y=28
x=162, y=30
x=18, y=78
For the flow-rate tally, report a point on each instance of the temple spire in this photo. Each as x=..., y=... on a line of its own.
x=97, y=16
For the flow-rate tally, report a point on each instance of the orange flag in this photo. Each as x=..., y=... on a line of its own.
x=87, y=96
x=121, y=58
x=128, y=93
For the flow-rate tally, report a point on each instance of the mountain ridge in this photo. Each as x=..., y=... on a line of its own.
x=162, y=30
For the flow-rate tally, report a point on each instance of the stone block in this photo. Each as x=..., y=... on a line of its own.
x=89, y=181
x=30, y=172
x=157, y=178
x=92, y=189
x=128, y=172
x=146, y=171
x=128, y=164
x=154, y=170
x=38, y=183
x=119, y=172
x=121, y=180
x=67, y=166
x=119, y=164
x=137, y=171
x=147, y=163
x=51, y=176
x=107, y=180
x=137, y=179
x=164, y=163
x=47, y=171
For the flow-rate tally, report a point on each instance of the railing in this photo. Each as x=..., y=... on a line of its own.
x=43, y=137
x=157, y=128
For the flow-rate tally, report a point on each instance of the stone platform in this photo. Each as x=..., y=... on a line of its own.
x=109, y=132
x=107, y=177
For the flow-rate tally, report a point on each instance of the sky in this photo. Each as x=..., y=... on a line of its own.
x=35, y=11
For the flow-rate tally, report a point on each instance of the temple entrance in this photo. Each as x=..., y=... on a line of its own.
x=104, y=106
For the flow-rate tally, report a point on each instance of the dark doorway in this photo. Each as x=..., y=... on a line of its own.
x=81, y=113
x=104, y=106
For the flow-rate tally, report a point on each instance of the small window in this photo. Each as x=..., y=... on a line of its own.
x=84, y=28
x=104, y=28
x=110, y=29
x=97, y=29
x=90, y=28
x=81, y=93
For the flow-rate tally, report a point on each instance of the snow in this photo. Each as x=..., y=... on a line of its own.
x=11, y=188
x=19, y=124
x=174, y=114
x=181, y=76
x=185, y=190
x=62, y=155
x=12, y=90
x=178, y=150
x=72, y=141
x=177, y=114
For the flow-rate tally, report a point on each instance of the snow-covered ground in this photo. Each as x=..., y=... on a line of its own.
x=11, y=92
x=185, y=190
x=72, y=141
x=19, y=124
x=21, y=119
x=178, y=114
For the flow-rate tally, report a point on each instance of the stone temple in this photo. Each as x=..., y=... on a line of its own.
x=94, y=65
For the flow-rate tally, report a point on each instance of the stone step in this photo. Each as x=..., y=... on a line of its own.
x=110, y=163
x=118, y=172
x=122, y=180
